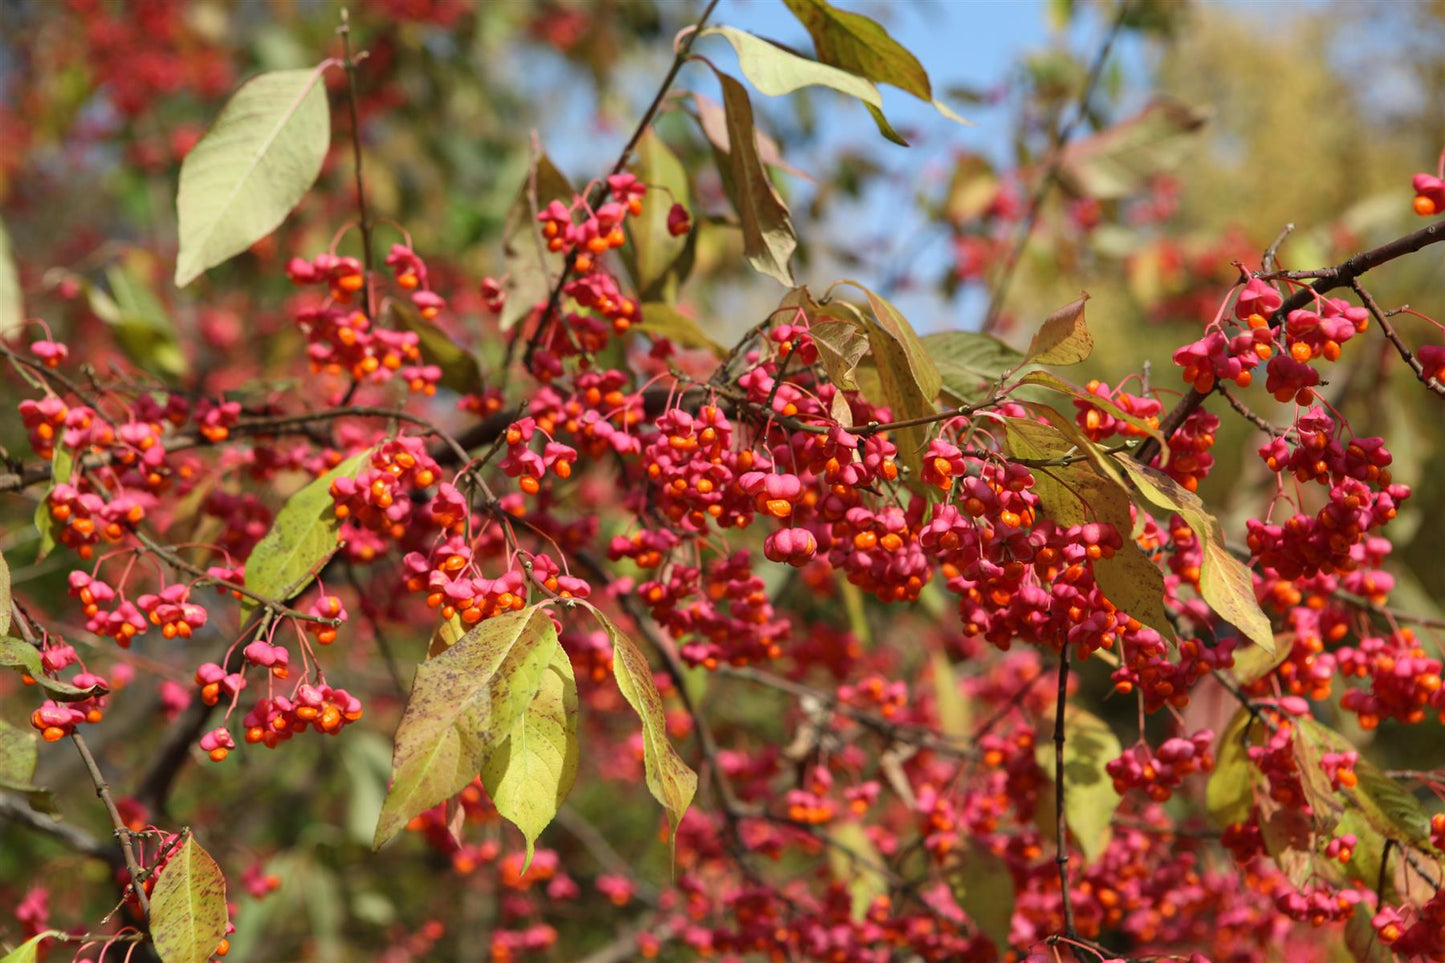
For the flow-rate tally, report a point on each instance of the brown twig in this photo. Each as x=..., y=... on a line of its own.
x=999, y=293
x=680, y=56
x=1383, y=319
x=1327, y=279
x=1060, y=825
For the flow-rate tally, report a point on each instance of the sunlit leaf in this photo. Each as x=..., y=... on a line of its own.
x=841, y=345
x=4, y=595
x=62, y=465
x=983, y=887
x=188, y=914
x=1089, y=795
x=301, y=539
x=460, y=370
x=970, y=363
x=854, y=861
x=141, y=323
x=251, y=168
x=1063, y=338
x=775, y=72
x=29, y=951
x=955, y=713
x=654, y=251
x=531, y=269
x=1229, y=794
x=12, y=303
x=670, y=780
x=768, y=236
x=531, y=772
x=1224, y=581
x=464, y=703
x=665, y=321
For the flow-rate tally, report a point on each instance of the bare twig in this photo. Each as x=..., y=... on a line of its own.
x=1383, y=319
x=1060, y=825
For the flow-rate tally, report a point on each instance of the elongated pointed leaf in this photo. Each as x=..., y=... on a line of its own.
x=862, y=46
x=970, y=363
x=1224, y=581
x=4, y=596
x=1076, y=494
x=530, y=774
x=29, y=951
x=1229, y=794
x=19, y=750
x=655, y=256
x=1048, y=380
x=62, y=466
x=19, y=654
x=531, y=269
x=775, y=72
x=665, y=321
x=188, y=906
x=768, y=236
x=302, y=537
x=12, y=304
x=141, y=323
x=983, y=887
x=460, y=370
x=1089, y=796
x=1063, y=338
x=464, y=703
x=855, y=862
x=251, y=168
x=670, y=780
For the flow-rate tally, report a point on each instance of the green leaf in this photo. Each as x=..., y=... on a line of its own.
x=654, y=253
x=854, y=861
x=970, y=363
x=460, y=370
x=861, y=46
x=670, y=780
x=463, y=705
x=1362, y=940
x=140, y=322
x=1229, y=794
x=665, y=321
x=18, y=654
x=531, y=269
x=61, y=467
x=301, y=539
x=1389, y=807
x=19, y=749
x=29, y=951
x=251, y=168
x=1117, y=162
x=1254, y=663
x=4, y=595
x=12, y=304
x=909, y=381
x=776, y=72
x=188, y=906
x=768, y=236
x=1089, y=796
x=530, y=774
x=983, y=887
x=1224, y=581
x=1046, y=379
x=1075, y=494
x=1063, y=338
x=955, y=713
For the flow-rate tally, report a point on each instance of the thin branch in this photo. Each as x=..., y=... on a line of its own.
x=679, y=58
x=1328, y=279
x=14, y=808
x=1060, y=825
x=1046, y=184
x=122, y=831
x=1249, y=415
x=1382, y=318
